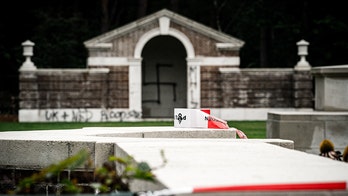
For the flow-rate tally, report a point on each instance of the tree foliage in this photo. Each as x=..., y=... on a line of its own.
x=270, y=28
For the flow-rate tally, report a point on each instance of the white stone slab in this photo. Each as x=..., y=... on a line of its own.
x=192, y=162
x=203, y=163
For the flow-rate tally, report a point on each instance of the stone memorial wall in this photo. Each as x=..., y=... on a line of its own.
x=147, y=68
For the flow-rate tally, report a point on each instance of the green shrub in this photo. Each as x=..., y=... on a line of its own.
x=107, y=178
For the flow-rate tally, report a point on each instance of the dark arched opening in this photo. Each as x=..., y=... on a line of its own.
x=164, y=77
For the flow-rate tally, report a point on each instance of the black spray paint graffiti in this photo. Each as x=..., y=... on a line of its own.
x=85, y=115
x=79, y=115
x=110, y=115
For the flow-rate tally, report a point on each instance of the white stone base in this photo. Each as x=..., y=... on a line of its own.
x=78, y=115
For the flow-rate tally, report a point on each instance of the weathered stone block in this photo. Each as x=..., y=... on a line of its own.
x=28, y=95
x=28, y=104
x=23, y=86
x=331, y=88
x=41, y=154
x=308, y=129
x=303, y=85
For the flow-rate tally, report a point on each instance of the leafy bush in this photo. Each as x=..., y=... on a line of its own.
x=107, y=179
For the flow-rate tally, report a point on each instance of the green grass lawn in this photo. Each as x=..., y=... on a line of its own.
x=253, y=129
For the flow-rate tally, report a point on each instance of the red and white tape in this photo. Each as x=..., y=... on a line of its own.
x=201, y=118
x=197, y=118
x=309, y=186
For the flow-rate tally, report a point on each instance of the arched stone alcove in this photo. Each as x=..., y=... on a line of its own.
x=165, y=56
x=164, y=76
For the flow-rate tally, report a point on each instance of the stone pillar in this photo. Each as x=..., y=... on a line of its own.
x=193, y=83
x=303, y=89
x=302, y=79
x=135, y=84
x=28, y=86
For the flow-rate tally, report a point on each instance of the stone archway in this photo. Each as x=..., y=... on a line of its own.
x=191, y=64
x=164, y=77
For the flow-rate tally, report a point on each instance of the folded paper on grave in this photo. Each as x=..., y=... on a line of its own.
x=197, y=118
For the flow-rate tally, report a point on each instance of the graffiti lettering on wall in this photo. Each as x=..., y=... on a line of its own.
x=110, y=115
x=79, y=115
x=90, y=115
x=193, y=89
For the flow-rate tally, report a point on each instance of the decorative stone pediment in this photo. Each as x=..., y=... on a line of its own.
x=123, y=41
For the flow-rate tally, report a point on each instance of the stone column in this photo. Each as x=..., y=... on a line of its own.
x=303, y=81
x=135, y=84
x=28, y=86
x=303, y=89
x=193, y=83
